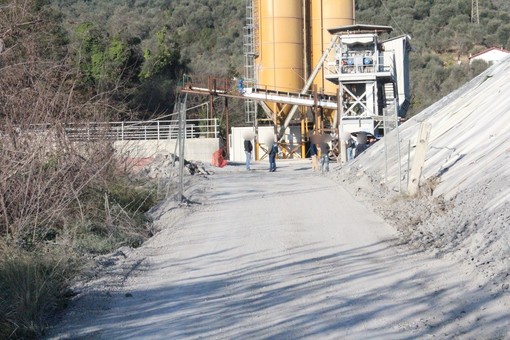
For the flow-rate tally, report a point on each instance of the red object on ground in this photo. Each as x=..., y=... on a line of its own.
x=218, y=160
x=136, y=164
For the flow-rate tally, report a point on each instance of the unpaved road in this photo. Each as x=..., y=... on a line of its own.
x=285, y=255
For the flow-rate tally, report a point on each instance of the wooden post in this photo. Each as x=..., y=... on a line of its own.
x=212, y=90
x=227, y=151
x=315, y=108
x=343, y=149
x=419, y=158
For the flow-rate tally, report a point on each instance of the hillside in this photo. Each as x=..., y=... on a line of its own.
x=206, y=37
x=464, y=209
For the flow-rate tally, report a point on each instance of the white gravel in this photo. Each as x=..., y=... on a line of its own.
x=282, y=255
x=463, y=212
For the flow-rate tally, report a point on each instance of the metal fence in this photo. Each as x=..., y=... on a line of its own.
x=137, y=130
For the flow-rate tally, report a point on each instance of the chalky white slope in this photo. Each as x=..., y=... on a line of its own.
x=468, y=162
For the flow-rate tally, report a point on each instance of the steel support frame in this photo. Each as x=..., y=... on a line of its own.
x=357, y=99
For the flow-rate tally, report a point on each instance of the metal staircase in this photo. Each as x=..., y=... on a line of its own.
x=389, y=99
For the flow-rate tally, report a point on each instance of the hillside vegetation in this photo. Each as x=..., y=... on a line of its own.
x=443, y=37
x=204, y=37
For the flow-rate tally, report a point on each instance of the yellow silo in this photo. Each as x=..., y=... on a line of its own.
x=279, y=63
x=326, y=14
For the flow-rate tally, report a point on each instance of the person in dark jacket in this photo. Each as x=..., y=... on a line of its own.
x=362, y=145
x=313, y=154
x=272, y=157
x=248, y=147
x=371, y=140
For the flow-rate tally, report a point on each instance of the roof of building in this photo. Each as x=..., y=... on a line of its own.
x=407, y=38
x=488, y=50
x=361, y=29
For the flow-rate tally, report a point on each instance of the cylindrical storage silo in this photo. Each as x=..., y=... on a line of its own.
x=279, y=63
x=325, y=14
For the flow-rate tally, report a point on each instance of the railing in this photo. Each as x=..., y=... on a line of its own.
x=197, y=128
x=137, y=130
x=359, y=64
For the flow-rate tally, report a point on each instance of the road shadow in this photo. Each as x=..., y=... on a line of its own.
x=307, y=293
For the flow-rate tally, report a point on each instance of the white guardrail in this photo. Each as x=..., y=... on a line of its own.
x=137, y=130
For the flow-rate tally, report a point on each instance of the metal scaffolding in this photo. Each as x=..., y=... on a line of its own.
x=250, y=52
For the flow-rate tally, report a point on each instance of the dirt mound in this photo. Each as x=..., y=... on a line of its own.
x=463, y=209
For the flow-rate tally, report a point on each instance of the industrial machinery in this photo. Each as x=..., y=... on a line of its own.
x=289, y=38
x=368, y=74
x=309, y=56
x=314, y=71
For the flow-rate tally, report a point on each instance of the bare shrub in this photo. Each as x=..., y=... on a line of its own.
x=56, y=194
x=42, y=182
x=47, y=181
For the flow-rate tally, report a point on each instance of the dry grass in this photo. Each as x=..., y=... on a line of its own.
x=31, y=288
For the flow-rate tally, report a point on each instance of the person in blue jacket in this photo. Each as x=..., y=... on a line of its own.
x=362, y=145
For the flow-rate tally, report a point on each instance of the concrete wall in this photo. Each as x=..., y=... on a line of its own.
x=266, y=134
x=196, y=149
x=237, y=143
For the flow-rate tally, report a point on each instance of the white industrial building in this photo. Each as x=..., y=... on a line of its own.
x=491, y=55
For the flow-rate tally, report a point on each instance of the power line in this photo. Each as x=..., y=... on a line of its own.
x=392, y=18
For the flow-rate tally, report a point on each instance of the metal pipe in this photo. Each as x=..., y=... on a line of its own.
x=307, y=86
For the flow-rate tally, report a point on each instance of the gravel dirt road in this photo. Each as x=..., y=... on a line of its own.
x=284, y=255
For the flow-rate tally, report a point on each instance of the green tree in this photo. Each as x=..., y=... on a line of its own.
x=104, y=62
x=165, y=60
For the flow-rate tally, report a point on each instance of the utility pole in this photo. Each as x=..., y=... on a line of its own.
x=227, y=149
x=181, y=142
x=475, y=13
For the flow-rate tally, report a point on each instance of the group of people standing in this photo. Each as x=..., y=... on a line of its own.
x=363, y=142
x=321, y=162
x=318, y=163
x=272, y=152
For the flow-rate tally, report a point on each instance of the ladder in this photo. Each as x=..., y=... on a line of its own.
x=249, y=45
